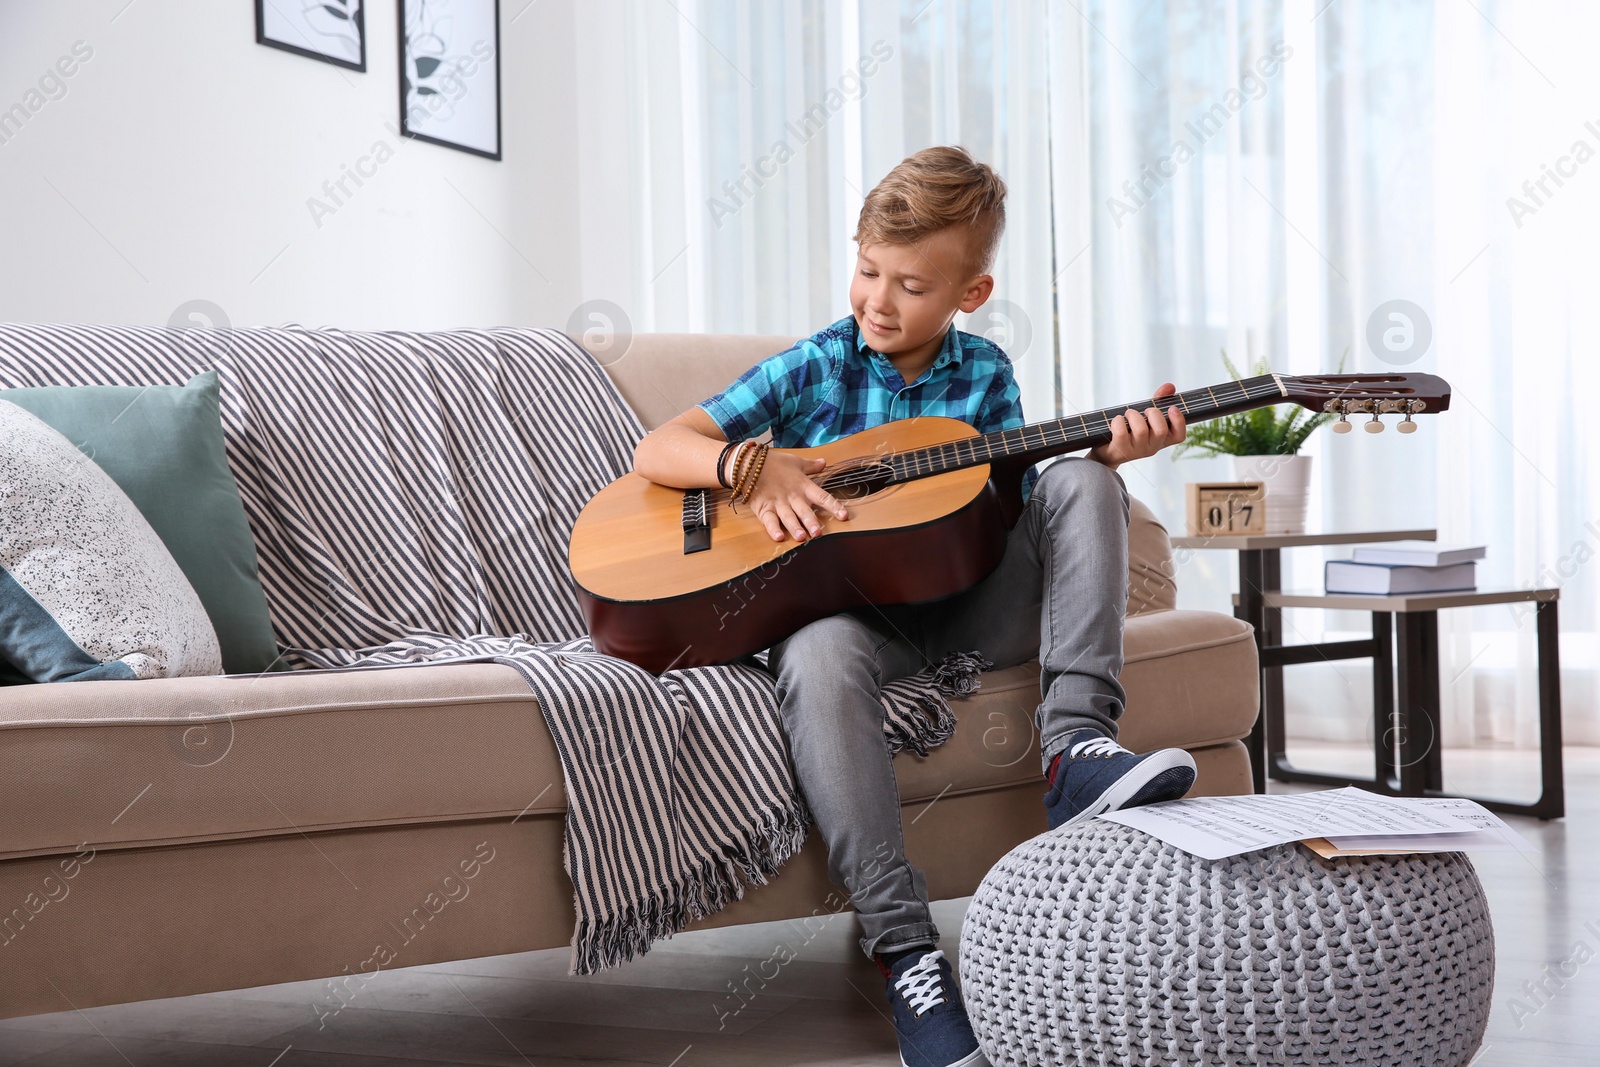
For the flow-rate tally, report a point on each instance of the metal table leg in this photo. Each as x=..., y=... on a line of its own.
x=1552, y=802
x=1385, y=770
x=1250, y=610
x=1415, y=722
x=1272, y=676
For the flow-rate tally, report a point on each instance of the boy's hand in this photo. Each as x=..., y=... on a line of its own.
x=786, y=500
x=1135, y=435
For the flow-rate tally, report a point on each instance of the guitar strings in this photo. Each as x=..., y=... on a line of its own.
x=862, y=475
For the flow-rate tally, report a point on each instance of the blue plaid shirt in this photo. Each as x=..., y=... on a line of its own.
x=831, y=385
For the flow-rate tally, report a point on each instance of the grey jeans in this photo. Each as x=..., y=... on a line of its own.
x=1059, y=593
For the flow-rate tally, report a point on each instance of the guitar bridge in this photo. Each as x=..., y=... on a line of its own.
x=696, y=524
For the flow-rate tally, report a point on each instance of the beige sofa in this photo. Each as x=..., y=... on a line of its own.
x=169, y=837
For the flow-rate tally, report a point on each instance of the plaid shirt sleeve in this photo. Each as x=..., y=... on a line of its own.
x=1002, y=410
x=771, y=392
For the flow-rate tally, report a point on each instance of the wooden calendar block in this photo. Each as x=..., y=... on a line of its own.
x=1226, y=508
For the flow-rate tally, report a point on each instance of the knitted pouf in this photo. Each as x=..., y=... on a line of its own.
x=1100, y=944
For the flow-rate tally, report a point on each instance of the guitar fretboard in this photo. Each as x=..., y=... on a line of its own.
x=1042, y=440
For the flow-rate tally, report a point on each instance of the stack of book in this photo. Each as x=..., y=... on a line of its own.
x=1404, y=567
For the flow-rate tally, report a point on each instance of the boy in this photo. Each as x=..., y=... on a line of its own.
x=926, y=238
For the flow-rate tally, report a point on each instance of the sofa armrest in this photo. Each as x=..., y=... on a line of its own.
x=1151, y=584
x=1191, y=679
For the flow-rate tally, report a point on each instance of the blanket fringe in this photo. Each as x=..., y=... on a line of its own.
x=957, y=675
x=713, y=886
x=932, y=723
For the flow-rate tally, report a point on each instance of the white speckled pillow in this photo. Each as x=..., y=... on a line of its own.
x=87, y=589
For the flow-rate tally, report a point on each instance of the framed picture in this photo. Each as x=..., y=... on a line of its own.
x=450, y=73
x=334, y=31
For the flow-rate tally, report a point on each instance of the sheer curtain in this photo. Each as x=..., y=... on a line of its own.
x=1513, y=211
x=1261, y=177
x=750, y=133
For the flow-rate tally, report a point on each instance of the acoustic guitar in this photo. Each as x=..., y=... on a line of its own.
x=670, y=578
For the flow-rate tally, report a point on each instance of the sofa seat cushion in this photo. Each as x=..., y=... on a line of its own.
x=137, y=764
x=119, y=765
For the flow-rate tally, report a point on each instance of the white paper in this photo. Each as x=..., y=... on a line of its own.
x=1214, y=828
x=1492, y=833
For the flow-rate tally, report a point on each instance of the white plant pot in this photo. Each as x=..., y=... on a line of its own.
x=1288, y=483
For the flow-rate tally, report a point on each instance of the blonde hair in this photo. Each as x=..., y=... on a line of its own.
x=934, y=189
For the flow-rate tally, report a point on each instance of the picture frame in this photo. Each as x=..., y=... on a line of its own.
x=450, y=73
x=334, y=31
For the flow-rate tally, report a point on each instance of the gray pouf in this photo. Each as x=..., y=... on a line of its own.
x=1100, y=944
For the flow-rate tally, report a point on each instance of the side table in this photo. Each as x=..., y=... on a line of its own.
x=1260, y=573
x=1406, y=742
x=1406, y=748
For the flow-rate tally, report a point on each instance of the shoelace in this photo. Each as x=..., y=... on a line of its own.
x=1096, y=746
x=922, y=985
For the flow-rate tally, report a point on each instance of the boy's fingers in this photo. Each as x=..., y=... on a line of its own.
x=1119, y=434
x=791, y=521
x=825, y=499
x=769, y=519
x=805, y=514
x=1150, y=432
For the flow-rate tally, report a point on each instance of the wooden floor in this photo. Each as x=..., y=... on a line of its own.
x=823, y=1008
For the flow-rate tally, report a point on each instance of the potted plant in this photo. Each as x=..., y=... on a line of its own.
x=1265, y=446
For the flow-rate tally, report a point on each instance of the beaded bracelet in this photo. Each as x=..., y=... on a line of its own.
x=741, y=480
x=743, y=464
x=755, y=472
x=736, y=466
x=755, y=475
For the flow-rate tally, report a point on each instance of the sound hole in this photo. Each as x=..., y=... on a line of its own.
x=856, y=481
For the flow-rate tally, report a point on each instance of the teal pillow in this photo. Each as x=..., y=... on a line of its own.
x=162, y=444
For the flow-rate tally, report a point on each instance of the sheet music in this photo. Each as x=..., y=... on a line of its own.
x=1217, y=827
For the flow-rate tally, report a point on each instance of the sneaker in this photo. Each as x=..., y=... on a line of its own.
x=928, y=1013
x=1095, y=775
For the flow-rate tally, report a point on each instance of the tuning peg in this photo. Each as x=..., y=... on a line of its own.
x=1406, y=425
x=1343, y=423
x=1376, y=425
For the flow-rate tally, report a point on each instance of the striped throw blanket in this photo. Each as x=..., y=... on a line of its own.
x=411, y=497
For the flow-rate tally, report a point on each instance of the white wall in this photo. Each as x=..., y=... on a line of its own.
x=178, y=163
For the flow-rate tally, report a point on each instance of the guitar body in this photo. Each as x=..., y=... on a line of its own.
x=647, y=601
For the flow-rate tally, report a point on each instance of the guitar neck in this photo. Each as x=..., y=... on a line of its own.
x=1041, y=440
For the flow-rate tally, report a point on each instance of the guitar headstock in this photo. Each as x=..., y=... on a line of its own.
x=1369, y=394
